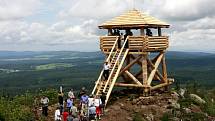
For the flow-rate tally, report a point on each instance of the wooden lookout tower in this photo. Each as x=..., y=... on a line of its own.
x=141, y=50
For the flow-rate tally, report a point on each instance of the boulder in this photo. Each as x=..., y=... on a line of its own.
x=197, y=99
x=187, y=110
x=181, y=92
x=175, y=95
x=150, y=117
x=175, y=105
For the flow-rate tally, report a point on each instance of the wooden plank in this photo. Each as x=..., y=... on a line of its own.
x=133, y=78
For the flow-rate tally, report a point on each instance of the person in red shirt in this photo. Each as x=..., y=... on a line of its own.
x=65, y=115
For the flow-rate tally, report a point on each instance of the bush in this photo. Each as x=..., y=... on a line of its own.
x=165, y=117
x=19, y=108
x=138, y=117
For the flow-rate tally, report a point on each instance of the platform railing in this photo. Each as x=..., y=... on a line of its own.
x=137, y=43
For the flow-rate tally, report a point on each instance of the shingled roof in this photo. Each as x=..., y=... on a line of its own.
x=133, y=19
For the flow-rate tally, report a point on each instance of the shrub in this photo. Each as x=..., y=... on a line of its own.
x=138, y=117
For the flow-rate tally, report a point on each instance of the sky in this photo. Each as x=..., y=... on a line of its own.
x=55, y=25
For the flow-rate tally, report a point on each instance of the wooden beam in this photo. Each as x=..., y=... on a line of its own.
x=139, y=73
x=128, y=60
x=157, y=72
x=144, y=69
x=133, y=78
x=160, y=86
x=155, y=58
x=128, y=85
x=156, y=77
x=130, y=65
x=138, y=62
x=164, y=70
x=151, y=76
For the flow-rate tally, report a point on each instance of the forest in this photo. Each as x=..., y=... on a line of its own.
x=30, y=71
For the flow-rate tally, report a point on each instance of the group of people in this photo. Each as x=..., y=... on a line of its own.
x=122, y=37
x=79, y=109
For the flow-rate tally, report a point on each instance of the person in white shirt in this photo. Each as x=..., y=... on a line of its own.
x=44, y=101
x=106, y=70
x=98, y=102
x=71, y=94
x=57, y=114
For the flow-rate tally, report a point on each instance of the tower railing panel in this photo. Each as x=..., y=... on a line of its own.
x=107, y=42
x=136, y=43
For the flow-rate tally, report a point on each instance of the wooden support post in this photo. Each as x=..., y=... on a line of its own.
x=133, y=78
x=159, y=32
x=142, y=33
x=164, y=69
x=110, y=32
x=144, y=69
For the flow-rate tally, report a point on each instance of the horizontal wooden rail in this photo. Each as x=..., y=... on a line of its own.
x=137, y=43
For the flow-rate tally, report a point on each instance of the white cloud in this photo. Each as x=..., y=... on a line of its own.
x=193, y=39
x=203, y=23
x=36, y=34
x=95, y=9
x=16, y=9
x=73, y=24
x=182, y=10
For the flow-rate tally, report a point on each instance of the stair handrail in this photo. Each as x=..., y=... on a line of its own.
x=109, y=56
x=114, y=45
x=108, y=81
x=114, y=80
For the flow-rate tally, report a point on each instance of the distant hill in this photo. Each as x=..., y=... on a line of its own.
x=19, y=70
x=178, y=54
x=169, y=54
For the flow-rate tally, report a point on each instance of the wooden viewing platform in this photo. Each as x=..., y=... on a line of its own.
x=136, y=43
x=145, y=49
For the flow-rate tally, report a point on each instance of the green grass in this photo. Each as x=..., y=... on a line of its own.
x=53, y=66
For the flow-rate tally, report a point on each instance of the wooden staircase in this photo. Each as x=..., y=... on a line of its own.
x=116, y=59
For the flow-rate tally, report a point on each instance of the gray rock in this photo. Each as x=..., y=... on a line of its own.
x=197, y=99
x=175, y=105
x=181, y=92
x=116, y=107
x=129, y=118
x=150, y=117
x=175, y=95
x=187, y=110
